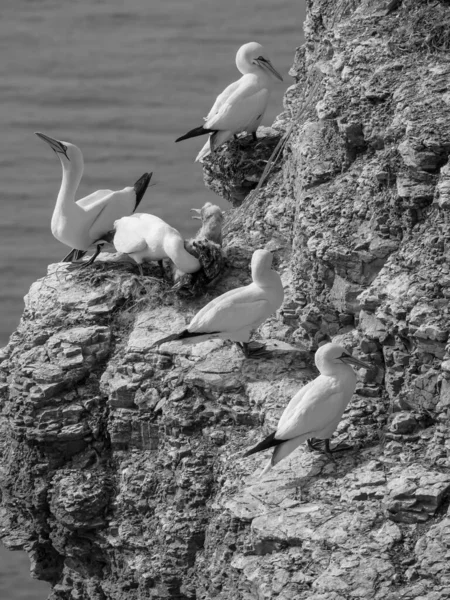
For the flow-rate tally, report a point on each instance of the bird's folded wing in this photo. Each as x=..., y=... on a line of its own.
x=239, y=110
x=318, y=404
x=96, y=200
x=222, y=98
x=230, y=314
x=117, y=205
x=128, y=238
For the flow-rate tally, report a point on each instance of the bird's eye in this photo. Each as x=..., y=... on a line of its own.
x=261, y=58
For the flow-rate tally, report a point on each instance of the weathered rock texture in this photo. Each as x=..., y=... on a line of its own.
x=121, y=473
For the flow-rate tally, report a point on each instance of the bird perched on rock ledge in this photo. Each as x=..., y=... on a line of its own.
x=241, y=106
x=316, y=409
x=81, y=224
x=235, y=314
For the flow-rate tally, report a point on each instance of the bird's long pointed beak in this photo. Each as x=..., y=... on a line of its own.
x=352, y=360
x=198, y=216
x=55, y=145
x=268, y=66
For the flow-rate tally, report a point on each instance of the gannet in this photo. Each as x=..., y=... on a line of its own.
x=81, y=224
x=211, y=217
x=206, y=246
x=146, y=237
x=317, y=408
x=235, y=314
x=241, y=106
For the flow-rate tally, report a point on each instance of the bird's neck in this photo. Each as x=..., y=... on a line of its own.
x=336, y=370
x=266, y=278
x=71, y=176
x=183, y=260
x=264, y=80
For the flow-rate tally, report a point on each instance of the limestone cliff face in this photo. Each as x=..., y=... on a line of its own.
x=120, y=469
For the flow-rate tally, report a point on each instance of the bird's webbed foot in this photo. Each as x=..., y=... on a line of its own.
x=83, y=265
x=315, y=444
x=254, y=350
x=341, y=447
x=324, y=446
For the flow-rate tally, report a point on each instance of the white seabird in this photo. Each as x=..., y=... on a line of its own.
x=317, y=408
x=241, y=106
x=81, y=224
x=235, y=314
x=145, y=237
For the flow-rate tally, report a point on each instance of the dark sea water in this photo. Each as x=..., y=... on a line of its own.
x=122, y=80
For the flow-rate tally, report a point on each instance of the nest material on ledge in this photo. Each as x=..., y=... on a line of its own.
x=235, y=168
x=118, y=270
x=212, y=262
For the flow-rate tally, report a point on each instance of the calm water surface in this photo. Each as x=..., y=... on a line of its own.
x=122, y=80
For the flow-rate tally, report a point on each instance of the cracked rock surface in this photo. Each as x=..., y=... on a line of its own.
x=121, y=467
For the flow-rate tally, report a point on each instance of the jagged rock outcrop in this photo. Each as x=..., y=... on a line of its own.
x=121, y=472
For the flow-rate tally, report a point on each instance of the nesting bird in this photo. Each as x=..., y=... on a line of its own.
x=81, y=224
x=211, y=217
x=241, y=106
x=235, y=314
x=316, y=409
x=145, y=237
x=206, y=246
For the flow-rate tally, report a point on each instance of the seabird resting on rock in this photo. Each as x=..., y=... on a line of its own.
x=81, y=224
x=317, y=408
x=241, y=106
x=235, y=314
x=146, y=237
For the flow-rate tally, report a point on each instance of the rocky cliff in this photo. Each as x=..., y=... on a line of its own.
x=121, y=472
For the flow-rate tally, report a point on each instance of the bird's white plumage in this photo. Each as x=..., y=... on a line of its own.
x=145, y=237
x=241, y=106
x=316, y=409
x=235, y=314
x=238, y=312
x=79, y=224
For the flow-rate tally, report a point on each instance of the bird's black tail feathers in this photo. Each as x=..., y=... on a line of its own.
x=141, y=186
x=195, y=133
x=74, y=255
x=268, y=442
x=181, y=336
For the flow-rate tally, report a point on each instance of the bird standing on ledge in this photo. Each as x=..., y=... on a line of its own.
x=317, y=408
x=81, y=224
x=241, y=106
x=235, y=314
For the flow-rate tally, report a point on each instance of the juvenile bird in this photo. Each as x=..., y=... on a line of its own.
x=206, y=246
x=235, y=314
x=81, y=224
x=241, y=106
x=317, y=408
x=211, y=217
